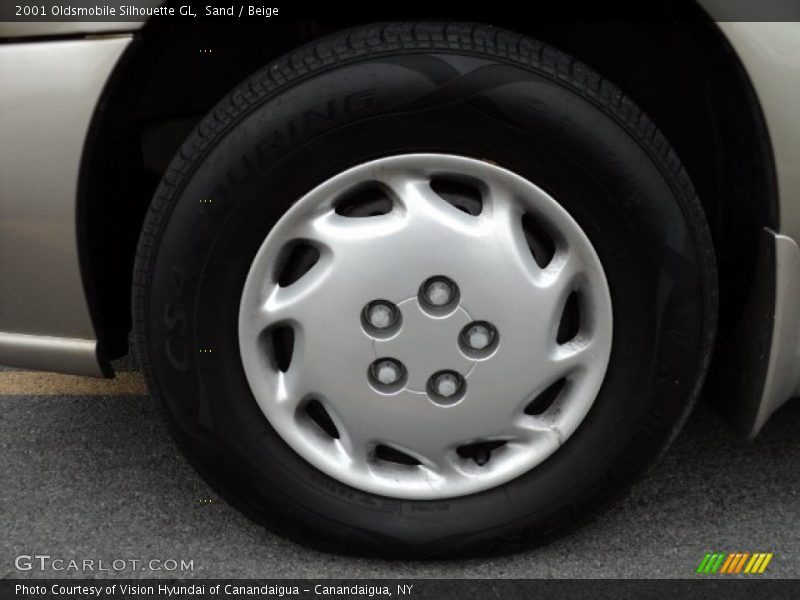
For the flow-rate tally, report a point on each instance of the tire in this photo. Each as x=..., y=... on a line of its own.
x=392, y=89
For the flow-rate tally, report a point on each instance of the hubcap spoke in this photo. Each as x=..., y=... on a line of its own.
x=568, y=358
x=426, y=209
x=299, y=301
x=559, y=280
x=530, y=432
x=344, y=234
x=507, y=227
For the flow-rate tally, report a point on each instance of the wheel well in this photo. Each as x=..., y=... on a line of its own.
x=683, y=73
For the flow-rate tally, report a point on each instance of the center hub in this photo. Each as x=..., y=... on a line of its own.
x=426, y=344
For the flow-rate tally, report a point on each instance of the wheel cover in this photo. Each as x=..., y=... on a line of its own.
x=382, y=427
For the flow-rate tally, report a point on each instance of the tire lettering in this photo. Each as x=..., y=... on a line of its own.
x=175, y=321
x=280, y=138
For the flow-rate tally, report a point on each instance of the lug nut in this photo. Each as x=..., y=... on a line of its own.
x=387, y=371
x=446, y=384
x=439, y=292
x=381, y=314
x=478, y=336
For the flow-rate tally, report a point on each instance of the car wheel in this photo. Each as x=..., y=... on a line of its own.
x=424, y=290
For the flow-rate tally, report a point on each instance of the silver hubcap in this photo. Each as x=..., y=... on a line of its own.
x=433, y=351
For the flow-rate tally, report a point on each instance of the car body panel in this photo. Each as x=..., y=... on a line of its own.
x=39, y=166
x=770, y=53
x=782, y=371
x=35, y=29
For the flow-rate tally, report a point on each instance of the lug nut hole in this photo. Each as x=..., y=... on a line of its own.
x=439, y=295
x=387, y=375
x=446, y=387
x=381, y=319
x=478, y=339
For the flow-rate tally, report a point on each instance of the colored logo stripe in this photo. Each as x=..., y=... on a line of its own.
x=711, y=562
x=728, y=562
x=759, y=562
x=733, y=563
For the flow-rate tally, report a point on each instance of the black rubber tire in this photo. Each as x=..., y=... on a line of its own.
x=408, y=87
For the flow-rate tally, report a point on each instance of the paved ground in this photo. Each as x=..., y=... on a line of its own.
x=88, y=473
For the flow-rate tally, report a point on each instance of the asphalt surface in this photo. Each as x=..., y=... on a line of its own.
x=86, y=473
